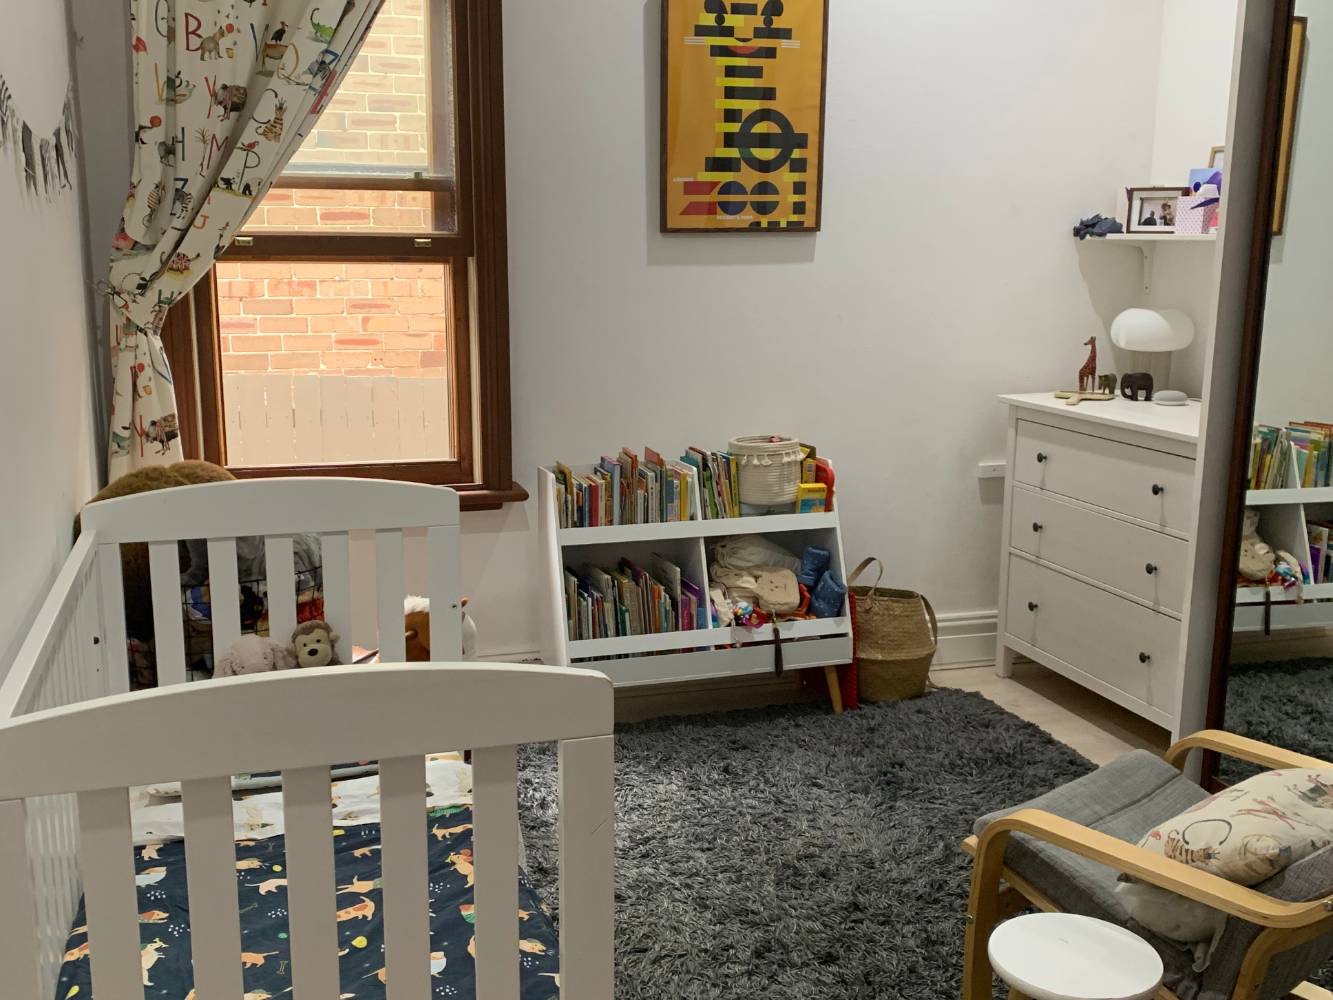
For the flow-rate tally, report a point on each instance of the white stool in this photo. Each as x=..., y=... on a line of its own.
x=1064, y=956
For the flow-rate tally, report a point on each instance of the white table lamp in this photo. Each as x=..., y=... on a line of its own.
x=1150, y=335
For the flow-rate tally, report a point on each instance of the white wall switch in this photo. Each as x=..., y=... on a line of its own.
x=990, y=470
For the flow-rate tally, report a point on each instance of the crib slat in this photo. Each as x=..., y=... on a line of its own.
x=109, y=893
x=168, y=625
x=587, y=867
x=111, y=600
x=337, y=577
x=403, y=859
x=18, y=917
x=308, y=814
x=389, y=595
x=224, y=593
x=210, y=854
x=446, y=637
x=495, y=856
x=280, y=571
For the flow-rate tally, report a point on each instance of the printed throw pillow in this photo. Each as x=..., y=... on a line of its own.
x=1251, y=831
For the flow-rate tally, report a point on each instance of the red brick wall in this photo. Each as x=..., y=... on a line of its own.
x=347, y=319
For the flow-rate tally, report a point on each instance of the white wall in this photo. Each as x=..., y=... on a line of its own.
x=1194, y=78
x=1296, y=362
x=963, y=142
x=45, y=383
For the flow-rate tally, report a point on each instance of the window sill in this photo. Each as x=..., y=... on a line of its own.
x=484, y=499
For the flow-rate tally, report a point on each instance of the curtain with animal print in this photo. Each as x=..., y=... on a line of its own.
x=224, y=93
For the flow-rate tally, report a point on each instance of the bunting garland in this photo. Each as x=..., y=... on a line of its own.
x=41, y=157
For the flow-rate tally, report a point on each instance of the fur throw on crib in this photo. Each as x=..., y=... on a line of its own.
x=253, y=654
x=134, y=558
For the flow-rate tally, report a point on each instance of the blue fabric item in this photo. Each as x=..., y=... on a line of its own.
x=814, y=561
x=164, y=918
x=1097, y=225
x=829, y=595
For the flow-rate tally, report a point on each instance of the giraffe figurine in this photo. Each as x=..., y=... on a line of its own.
x=1087, y=375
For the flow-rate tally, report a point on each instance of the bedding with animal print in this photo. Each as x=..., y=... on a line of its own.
x=261, y=889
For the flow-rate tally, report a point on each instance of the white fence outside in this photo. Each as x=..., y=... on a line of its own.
x=274, y=418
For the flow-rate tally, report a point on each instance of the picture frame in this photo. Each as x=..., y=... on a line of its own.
x=1217, y=158
x=1290, y=100
x=742, y=116
x=1152, y=209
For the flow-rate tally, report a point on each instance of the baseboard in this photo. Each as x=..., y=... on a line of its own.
x=967, y=639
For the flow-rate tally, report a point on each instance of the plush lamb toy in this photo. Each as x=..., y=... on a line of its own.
x=253, y=654
x=314, y=644
x=1256, y=556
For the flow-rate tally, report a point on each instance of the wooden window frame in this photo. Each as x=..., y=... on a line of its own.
x=477, y=259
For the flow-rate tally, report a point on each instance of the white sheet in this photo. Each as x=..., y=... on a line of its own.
x=259, y=816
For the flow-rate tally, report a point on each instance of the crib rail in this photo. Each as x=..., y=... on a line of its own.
x=246, y=724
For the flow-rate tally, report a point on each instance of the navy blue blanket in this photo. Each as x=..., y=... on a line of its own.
x=164, y=919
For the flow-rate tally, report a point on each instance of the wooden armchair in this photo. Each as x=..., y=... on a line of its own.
x=1034, y=856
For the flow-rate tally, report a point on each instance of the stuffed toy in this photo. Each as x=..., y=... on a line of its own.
x=416, y=628
x=134, y=558
x=1257, y=559
x=314, y=644
x=253, y=654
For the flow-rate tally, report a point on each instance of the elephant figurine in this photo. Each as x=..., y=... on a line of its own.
x=1106, y=383
x=1134, y=383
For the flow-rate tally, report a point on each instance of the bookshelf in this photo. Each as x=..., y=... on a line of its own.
x=1282, y=524
x=688, y=655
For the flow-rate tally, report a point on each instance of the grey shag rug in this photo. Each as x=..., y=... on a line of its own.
x=1288, y=703
x=789, y=853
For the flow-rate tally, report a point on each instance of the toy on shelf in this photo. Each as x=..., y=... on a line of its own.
x=1135, y=383
x=1090, y=387
x=1257, y=560
x=1087, y=375
x=1106, y=383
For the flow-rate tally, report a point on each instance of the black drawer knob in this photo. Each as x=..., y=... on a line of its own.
x=1032, y=606
x=1041, y=456
x=1144, y=657
x=1158, y=489
x=1036, y=525
x=1150, y=569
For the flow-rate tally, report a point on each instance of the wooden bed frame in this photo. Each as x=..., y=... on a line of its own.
x=998, y=892
x=73, y=740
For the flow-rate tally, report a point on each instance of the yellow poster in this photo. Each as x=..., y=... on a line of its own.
x=742, y=114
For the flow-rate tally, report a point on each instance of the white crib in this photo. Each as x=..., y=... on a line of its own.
x=73, y=740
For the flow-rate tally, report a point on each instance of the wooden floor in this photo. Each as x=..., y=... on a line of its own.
x=1095, y=727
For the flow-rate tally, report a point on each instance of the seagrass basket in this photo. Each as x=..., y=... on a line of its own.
x=895, y=636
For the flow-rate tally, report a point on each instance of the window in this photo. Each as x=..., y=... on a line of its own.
x=359, y=323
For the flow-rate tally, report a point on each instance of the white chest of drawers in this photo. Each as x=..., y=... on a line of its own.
x=1098, y=510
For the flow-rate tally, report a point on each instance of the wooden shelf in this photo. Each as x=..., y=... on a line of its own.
x=758, y=525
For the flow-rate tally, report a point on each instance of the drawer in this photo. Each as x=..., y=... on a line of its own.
x=1145, y=484
x=1095, y=631
x=1134, y=560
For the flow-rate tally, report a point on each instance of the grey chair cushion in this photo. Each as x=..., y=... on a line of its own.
x=1126, y=799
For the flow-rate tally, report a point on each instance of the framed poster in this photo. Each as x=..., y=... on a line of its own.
x=1290, y=98
x=743, y=115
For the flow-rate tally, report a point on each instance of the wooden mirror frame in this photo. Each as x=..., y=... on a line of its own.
x=1256, y=295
